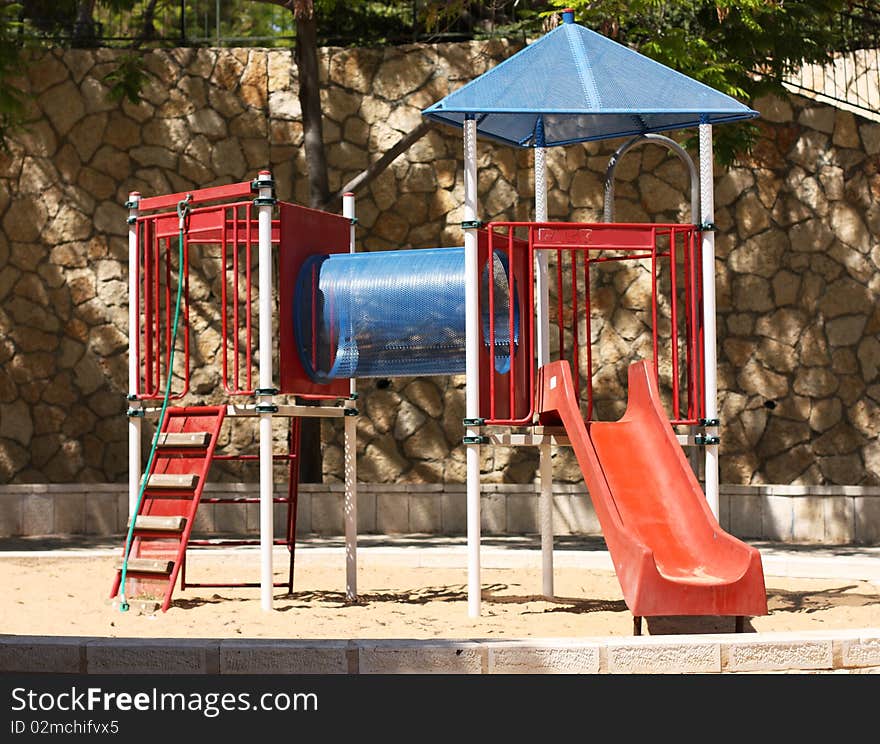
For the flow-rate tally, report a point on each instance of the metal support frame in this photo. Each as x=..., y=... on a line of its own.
x=135, y=427
x=264, y=241
x=472, y=364
x=545, y=453
x=707, y=198
x=658, y=139
x=350, y=458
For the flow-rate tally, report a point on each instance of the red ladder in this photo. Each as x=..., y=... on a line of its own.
x=167, y=512
x=291, y=500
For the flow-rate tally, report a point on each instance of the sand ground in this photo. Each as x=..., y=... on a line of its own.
x=67, y=594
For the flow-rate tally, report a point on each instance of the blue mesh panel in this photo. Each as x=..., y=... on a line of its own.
x=392, y=314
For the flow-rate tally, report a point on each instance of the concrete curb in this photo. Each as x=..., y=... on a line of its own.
x=846, y=651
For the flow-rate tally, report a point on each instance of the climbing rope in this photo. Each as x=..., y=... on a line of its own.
x=182, y=215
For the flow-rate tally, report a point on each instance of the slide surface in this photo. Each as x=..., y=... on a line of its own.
x=670, y=554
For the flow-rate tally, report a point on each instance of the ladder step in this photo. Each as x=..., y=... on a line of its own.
x=159, y=524
x=186, y=481
x=199, y=439
x=145, y=565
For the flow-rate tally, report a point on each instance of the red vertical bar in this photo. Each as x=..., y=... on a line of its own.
x=169, y=318
x=249, y=316
x=701, y=366
x=511, y=301
x=186, y=358
x=236, y=363
x=575, y=372
x=491, y=339
x=673, y=332
x=530, y=310
x=224, y=320
x=695, y=350
x=148, y=310
x=588, y=311
x=141, y=239
x=688, y=318
x=560, y=305
x=654, y=303
x=157, y=263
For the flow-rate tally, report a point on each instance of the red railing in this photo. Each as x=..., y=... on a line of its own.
x=576, y=248
x=507, y=393
x=232, y=227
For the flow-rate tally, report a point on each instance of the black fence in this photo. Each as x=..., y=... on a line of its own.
x=253, y=23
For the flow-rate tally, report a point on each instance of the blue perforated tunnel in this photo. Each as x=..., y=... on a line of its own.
x=394, y=314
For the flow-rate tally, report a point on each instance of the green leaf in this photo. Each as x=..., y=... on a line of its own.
x=127, y=79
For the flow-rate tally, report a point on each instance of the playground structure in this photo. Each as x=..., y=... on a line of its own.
x=344, y=315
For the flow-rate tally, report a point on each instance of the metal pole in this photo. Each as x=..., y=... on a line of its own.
x=707, y=198
x=217, y=20
x=545, y=462
x=350, y=505
x=264, y=397
x=472, y=363
x=134, y=422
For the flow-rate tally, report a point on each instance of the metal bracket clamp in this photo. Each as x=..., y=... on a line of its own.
x=350, y=412
x=135, y=413
x=131, y=220
x=707, y=227
x=265, y=391
x=473, y=422
x=353, y=396
x=265, y=201
x=131, y=204
x=262, y=183
x=706, y=439
x=475, y=440
x=709, y=422
x=353, y=220
x=266, y=408
x=471, y=224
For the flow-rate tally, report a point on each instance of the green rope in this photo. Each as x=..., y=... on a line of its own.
x=182, y=212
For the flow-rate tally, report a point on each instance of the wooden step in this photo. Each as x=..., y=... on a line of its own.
x=185, y=439
x=186, y=481
x=159, y=524
x=146, y=565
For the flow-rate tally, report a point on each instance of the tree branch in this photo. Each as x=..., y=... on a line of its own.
x=365, y=177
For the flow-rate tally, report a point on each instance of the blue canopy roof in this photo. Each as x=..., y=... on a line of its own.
x=582, y=86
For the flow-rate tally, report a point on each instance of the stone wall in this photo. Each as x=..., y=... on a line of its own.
x=798, y=256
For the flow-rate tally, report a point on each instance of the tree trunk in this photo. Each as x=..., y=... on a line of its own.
x=306, y=58
x=148, y=28
x=84, y=25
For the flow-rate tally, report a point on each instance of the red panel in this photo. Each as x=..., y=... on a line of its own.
x=670, y=554
x=304, y=232
x=516, y=405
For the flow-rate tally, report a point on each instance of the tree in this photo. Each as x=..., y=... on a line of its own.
x=12, y=99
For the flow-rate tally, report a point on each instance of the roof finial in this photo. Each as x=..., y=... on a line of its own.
x=568, y=15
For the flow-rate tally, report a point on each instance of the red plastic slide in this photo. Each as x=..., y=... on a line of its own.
x=670, y=554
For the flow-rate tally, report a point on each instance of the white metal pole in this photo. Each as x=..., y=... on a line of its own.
x=264, y=397
x=707, y=200
x=545, y=462
x=472, y=363
x=134, y=422
x=350, y=505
